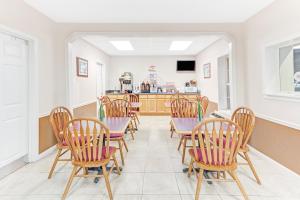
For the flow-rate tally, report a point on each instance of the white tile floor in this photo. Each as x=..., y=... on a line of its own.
x=152, y=170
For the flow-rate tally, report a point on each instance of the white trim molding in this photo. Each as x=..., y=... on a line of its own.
x=278, y=121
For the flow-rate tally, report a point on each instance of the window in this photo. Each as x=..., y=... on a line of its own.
x=282, y=69
x=289, y=68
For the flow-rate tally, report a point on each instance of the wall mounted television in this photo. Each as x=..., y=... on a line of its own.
x=186, y=65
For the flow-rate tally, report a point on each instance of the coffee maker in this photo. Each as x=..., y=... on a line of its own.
x=126, y=82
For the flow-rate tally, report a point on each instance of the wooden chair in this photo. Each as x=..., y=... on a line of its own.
x=133, y=98
x=90, y=151
x=204, y=103
x=105, y=100
x=59, y=117
x=172, y=98
x=120, y=108
x=211, y=155
x=183, y=108
x=245, y=118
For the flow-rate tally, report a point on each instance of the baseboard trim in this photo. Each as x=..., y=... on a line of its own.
x=12, y=167
x=273, y=161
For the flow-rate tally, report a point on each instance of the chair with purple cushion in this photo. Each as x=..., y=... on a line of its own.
x=209, y=154
x=59, y=117
x=94, y=151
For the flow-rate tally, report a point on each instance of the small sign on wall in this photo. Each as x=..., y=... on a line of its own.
x=207, y=70
x=82, y=67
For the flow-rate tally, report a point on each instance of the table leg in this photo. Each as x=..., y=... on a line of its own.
x=99, y=170
x=205, y=174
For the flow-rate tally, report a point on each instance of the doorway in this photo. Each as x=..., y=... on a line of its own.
x=14, y=112
x=224, y=83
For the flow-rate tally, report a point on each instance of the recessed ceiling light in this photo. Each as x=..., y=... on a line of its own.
x=122, y=45
x=180, y=45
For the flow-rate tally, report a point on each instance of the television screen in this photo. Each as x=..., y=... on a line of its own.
x=186, y=65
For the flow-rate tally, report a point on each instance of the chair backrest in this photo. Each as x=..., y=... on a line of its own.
x=105, y=100
x=245, y=118
x=183, y=108
x=59, y=117
x=85, y=138
x=132, y=98
x=219, y=141
x=118, y=108
x=204, y=103
x=177, y=96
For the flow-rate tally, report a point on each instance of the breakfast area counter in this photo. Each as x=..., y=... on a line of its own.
x=154, y=103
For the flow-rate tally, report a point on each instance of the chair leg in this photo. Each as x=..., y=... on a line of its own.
x=184, y=149
x=252, y=167
x=199, y=183
x=69, y=183
x=131, y=130
x=54, y=163
x=137, y=118
x=234, y=176
x=180, y=142
x=85, y=170
x=105, y=174
x=116, y=164
x=121, y=151
x=125, y=145
x=190, y=168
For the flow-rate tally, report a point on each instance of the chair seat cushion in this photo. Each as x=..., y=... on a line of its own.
x=214, y=161
x=112, y=150
x=116, y=135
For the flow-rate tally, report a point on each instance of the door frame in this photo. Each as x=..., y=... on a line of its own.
x=33, y=92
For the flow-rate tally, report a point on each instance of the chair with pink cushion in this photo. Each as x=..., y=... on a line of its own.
x=59, y=117
x=183, y=108
x=94, y=151
x=209, y=154
x=133, y=112
x=119, y=108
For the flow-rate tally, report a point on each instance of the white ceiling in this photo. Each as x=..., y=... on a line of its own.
x=149, y=11
x=151, y=45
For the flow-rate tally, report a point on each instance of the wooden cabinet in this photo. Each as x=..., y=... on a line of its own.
x=160, y=106
x=152, y=105
x=144, y=106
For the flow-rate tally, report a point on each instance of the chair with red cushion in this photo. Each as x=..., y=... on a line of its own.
x=209, y=154
x=59, y=117
x=94, y=151
x=120, y=108
x=183, y=108
x=133, y=112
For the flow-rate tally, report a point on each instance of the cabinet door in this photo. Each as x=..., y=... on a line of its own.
x=167, y=109
x=144, y=106
x=160, y=106
x=152, y=105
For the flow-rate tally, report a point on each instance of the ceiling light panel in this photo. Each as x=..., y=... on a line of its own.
x=180, y=45
x=122, y=45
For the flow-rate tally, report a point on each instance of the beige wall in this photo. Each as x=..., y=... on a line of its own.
x=84, y=88
x=139, y=65
x=209, y=87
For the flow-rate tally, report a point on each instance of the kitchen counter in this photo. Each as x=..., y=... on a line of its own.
x=154, y=103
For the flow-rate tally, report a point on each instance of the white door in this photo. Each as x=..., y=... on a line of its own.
x=100, y=78
x=223, y=83
x=13, y=99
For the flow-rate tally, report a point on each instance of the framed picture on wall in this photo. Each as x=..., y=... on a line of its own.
x=82, y=67
x=207, y=70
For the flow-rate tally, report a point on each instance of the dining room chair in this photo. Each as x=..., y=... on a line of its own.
x=208, y=154
x=245, y=118
x=133, y=98
x=59, y=117
x=120, y=108
x=172, y=98
x=92, y=152
x=183, y=108
x=204, y=104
